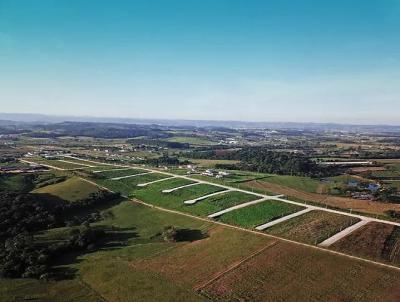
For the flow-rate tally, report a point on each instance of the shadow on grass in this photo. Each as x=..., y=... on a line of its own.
x=189, y=235
x=114, y=238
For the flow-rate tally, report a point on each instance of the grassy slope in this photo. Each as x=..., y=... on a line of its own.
x=258, y=214
x=72, y=189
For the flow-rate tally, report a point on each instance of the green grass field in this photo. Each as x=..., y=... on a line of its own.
x=174, y=200
x=72, y=189
x=58, y=164
x=296, y=182
x=120, y=173
x=128, y=186
x=313, y=227
x=254, y=215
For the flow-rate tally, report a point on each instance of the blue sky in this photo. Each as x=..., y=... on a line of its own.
x=320, y=61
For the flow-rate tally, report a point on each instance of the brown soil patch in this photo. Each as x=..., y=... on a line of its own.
x=195, y=263
x=313, y=227
x=289, y=273
x=377, y=241
x=366, y=206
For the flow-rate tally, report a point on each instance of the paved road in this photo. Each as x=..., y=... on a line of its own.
x=287, y=217
x=129, y=176
x=239, y=206
x=152, y=182
x=193, y=201
x=75, y=163
x=344, y=233
x=181, y=187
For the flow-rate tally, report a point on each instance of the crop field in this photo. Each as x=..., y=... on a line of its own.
x=377, y=241
x=254, y=215
x=72, y=189
x=174, y=200
x=313, y=227
x=128, y=186
x=120, y=173
x=286, y=272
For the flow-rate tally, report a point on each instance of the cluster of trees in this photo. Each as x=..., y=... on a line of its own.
x=21, y=256
x=23, y=214
x=159, y=143
x=163, y=160
x=263, y=160
x=100, y=130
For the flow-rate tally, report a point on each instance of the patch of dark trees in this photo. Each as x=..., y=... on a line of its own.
x=163, y=160
x=23, y=215
x=99, y=130
x=158, y=143
x=261, y=159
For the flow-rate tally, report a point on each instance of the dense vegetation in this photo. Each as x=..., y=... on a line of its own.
x=22, y=215
x=99, y=130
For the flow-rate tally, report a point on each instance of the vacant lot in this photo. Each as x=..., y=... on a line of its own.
x=363, y=206
x=175, y=200
x=72, y=189
x=128, y=186
x=377, y=241
x=58, y=164
x=313, y=227
x=306, y=184
x=80, y=162
x=286, y=272
x=120, y=173
x=254, y=215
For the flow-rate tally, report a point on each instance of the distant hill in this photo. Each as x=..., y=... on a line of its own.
x=50, y=119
